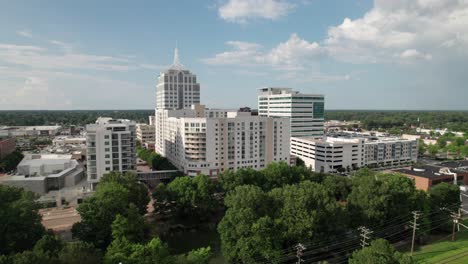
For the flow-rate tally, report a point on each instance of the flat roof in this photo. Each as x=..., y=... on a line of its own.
x=426, y=171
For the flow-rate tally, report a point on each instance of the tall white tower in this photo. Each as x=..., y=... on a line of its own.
x=306, y=111
x=177, y=87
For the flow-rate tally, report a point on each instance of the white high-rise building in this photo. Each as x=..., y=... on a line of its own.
x=209, y=141
x=306, y=111
x=177, y=87
x=111, y=146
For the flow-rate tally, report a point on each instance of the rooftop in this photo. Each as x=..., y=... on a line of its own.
x=425, y=171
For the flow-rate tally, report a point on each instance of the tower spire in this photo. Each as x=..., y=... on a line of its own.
x=176, y=64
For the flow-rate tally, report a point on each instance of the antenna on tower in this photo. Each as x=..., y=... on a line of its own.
x=176, y=64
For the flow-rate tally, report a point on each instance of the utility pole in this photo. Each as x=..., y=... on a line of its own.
x=455, y=222
x=416, y=215
x=300, y=252
x=365, y=232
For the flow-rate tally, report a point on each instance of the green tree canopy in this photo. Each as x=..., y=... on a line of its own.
x=192, y=196
x=138, y=193
x=376, y=198
x=99, y=211
x=379, y=251
x=132, y=226
x=20, y=222
x=261, y=225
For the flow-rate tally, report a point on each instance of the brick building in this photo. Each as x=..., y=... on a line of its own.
x=425, y=177
x=7, y=146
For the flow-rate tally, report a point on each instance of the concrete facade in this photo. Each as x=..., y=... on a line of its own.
x=111, y=146
x=305, y=111
x=350, y=151
x=209, y=141
x=44, y=173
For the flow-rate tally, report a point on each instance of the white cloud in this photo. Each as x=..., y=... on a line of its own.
x=42, y=58
x=56, y=76
x=402, y=27
x=292, y=54
x=241, y=11
x=411, y=54
x=25, y=33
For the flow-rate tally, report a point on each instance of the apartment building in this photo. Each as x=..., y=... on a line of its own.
x=111, y=146
x=209, y=141
x=342, y=152
x=177, y=87
x=145, y=133
x=306, y=111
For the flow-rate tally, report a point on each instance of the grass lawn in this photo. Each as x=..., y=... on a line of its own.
x=444, y=250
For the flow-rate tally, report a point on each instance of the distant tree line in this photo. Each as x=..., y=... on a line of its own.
x=68, y=117
x=372, y=119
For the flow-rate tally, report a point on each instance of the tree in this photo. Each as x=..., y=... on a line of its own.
x=376, y=198
x=76, y=252
x=306, y=212
x=197, y=256
x=99, y=211
x=20, y=225
x=138, y=193
x=260, y=225
x=123, y=251
x=247, y=230
x=422, y=148
x=443, y=198
x=433, y=150
x=10, y=162
x=132, y=226
x=192, y=197
x=379, y=251
x=340, y=186
x=49, y=245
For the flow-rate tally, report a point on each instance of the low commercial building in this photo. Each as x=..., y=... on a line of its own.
x=342, y=152
x=209, y=141
x=21, y=131
x=145, y=133
x=425, y=177
x=43, y=173
x=7, y=146
x=68, y=140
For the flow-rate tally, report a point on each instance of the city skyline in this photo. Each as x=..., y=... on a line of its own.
x=359, y=54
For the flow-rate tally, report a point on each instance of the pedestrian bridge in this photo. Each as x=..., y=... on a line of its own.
x=154, y=177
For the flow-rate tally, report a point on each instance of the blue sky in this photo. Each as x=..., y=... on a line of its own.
x=361, y=54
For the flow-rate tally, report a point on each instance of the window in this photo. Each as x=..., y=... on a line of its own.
x=106, y=143
x=106, y=137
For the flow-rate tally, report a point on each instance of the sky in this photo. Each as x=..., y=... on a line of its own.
x=361, y=54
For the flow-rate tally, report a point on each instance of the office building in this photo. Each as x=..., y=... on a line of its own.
x=177, y=87
x=341, y=152
x=209, y=141
x=111, y=146
x=306, y=111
